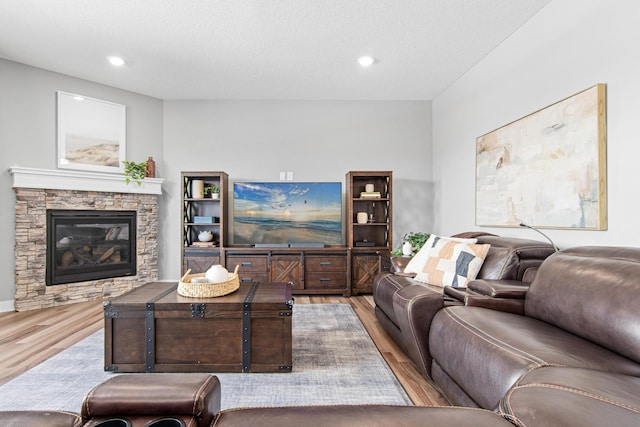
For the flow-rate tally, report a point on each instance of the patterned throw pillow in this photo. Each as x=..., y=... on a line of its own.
x=452, y=263
x=416, y=264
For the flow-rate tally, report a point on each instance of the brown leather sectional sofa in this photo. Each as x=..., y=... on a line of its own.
x=193, y=400
x=405, y=307
x=570, y=357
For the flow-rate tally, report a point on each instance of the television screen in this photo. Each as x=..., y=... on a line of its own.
x=287, y=213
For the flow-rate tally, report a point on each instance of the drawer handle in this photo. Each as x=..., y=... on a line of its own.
x=325, y=264
x=246, y=280
x=325, y=280
x=246, y=264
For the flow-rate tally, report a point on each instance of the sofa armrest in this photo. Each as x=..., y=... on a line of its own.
x=508, y=305
x=513, y=289
x=501, y=295
x=414, y=307
x=192, y=398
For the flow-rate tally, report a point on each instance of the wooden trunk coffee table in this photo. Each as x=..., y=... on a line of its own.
x=153, y=329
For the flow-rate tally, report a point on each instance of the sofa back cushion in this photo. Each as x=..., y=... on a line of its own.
x=592, y=292
x=509, y=258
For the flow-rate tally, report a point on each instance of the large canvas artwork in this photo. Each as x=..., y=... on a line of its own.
x=547, y=169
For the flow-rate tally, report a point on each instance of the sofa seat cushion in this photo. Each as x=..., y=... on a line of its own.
x=485, y=351
x=359, y=415
x=38, y=418
x=573, y=396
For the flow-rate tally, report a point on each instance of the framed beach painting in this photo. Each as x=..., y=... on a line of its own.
x=547, y=169
x=91, y=133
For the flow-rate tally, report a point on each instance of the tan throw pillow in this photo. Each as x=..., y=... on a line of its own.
x=416, y=264
x=452, y=263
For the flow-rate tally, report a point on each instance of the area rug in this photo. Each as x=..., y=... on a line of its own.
x=334, y=362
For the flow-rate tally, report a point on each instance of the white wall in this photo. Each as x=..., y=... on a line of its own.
x=317, y=141
x=250, y=140
x=567, y=47
x=28, y=138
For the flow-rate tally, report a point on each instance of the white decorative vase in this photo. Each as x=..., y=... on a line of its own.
x=407, y=249
x=205, y=236
x=197, y=189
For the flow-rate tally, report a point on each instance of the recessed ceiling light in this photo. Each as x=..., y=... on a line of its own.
x=366, y=61
x=78, y=98
x=116, y=61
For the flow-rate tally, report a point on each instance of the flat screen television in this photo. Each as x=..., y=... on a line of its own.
x=287, y=213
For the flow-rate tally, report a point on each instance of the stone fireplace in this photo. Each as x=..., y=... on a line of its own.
x=39, y=191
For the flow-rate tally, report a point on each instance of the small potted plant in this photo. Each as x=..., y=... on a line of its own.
x=134, y=171
x=215, y=192
x=412, y=242
x=212, y=191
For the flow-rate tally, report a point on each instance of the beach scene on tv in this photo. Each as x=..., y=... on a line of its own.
x=287, y=213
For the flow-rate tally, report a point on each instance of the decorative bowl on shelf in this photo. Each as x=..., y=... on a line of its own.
x=205, y=236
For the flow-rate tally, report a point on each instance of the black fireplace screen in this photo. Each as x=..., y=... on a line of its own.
x=90, y=245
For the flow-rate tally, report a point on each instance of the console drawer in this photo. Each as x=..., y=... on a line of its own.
x=247, y=263
x=315, y=263
x=324, y=280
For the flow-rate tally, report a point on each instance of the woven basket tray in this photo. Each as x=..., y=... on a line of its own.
x=207, y=290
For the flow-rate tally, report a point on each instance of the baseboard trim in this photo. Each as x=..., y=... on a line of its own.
x=7, y=306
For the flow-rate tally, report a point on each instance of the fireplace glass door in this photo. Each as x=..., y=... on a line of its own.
x=90, y=245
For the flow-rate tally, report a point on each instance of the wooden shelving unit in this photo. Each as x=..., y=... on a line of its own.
x=370, y=240
x=196, y=211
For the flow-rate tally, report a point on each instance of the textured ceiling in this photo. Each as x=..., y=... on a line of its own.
x=261, y=49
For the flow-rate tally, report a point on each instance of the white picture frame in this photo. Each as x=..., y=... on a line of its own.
x=91, y=133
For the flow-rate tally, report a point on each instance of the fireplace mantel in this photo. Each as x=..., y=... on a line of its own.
x=81, y=181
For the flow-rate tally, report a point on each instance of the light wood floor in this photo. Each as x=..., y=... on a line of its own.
x=28, y=338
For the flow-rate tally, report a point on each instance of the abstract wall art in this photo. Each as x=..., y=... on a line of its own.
x=547, y=169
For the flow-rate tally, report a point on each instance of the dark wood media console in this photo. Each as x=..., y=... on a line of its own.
x=338, y=269
x=309, y=270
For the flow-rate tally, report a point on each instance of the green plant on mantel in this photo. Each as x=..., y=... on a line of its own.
x=417, y=239
x=134, y=171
